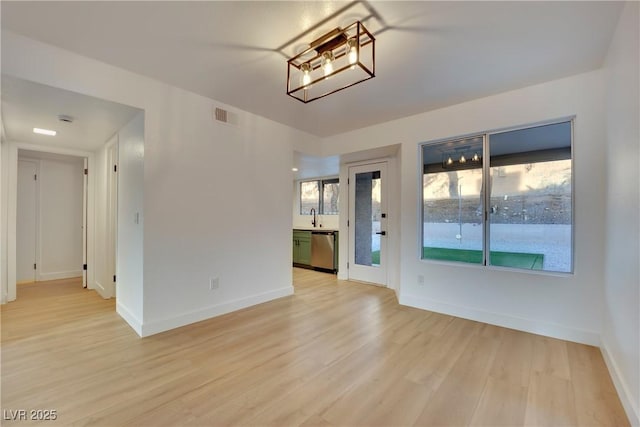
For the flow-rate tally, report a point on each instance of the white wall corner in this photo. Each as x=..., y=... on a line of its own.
x=631, y=408
x=132, y=320
x=161, y=325
x=537, y=327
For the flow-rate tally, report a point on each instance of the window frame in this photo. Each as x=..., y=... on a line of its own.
x=321, y=183
x=486, y=223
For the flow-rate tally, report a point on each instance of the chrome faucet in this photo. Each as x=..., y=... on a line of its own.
x=313, y=222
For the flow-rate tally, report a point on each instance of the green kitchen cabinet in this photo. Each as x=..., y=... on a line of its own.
x=302, y=247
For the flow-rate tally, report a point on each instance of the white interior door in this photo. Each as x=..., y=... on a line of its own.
x=112, y=232
x=368, y=223
x=85, y=194
x=26, y=221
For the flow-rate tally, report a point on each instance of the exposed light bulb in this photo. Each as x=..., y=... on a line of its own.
x=352, y=45
x=449, y=161
x=306, y=73
x=475, y=157
x=463, y=159
x=353, y=56
x=327, y=62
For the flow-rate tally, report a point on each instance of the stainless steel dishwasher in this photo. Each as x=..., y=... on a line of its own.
x=322, y=249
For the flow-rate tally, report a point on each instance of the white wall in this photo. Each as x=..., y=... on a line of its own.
x=561, y=306
x=60, y=218
x=217, y=205
x=217, y=197
x=621, y=328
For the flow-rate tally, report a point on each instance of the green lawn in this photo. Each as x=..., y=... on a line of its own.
x=375, y=257
x=502, y=259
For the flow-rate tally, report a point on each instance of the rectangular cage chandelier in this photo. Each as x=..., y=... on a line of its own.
x=337, y=60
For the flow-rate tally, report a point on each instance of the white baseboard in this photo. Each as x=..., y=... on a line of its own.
x=631, y=409
x=161, y=325
x=99, y=287
x=548, y=329
x=132, y=320
x=59, y=275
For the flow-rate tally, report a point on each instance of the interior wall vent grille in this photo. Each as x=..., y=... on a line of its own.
x=221, y=115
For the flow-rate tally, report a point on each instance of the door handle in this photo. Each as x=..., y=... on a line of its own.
x=382, y=233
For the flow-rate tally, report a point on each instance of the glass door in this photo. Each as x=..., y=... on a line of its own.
x=368, y=223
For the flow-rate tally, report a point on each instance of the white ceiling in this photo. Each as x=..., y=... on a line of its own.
x=315, y=167
x=320, y=167
x=26, y=105
x=429, y=54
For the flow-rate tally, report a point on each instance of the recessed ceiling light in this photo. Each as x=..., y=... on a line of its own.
x=294, y=169
x=44, y=131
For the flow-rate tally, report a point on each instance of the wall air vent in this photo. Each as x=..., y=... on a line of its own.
x=221, y=115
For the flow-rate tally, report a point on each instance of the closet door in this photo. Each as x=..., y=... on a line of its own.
x=26, y=227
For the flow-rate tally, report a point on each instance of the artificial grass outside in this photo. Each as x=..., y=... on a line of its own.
x=502, y=259
x=375, y=257
x=517, y=260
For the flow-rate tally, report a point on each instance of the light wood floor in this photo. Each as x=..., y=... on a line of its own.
x=335, y=353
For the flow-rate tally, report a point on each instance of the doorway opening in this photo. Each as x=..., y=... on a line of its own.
x=89, y=133
x=51, y=217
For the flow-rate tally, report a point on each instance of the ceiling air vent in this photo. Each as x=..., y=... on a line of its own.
x=221, y=115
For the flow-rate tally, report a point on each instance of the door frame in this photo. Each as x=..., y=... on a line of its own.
x=387, y=166
x=85, y=194
x=112, y=147
x=9, y=294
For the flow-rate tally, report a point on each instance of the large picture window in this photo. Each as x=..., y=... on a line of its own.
x=321, y=195
x=501, y=199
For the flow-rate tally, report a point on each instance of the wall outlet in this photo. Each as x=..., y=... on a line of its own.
x=214, y=283
x=420, y=280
